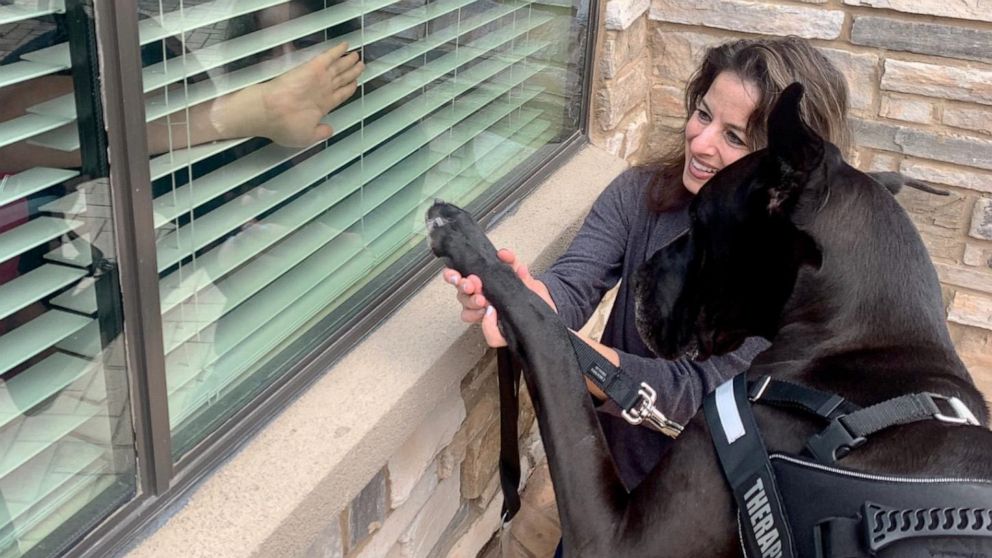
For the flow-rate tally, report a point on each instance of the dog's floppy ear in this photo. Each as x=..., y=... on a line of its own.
x=794, y=147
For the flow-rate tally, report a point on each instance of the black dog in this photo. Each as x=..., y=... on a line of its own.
x=789, y=243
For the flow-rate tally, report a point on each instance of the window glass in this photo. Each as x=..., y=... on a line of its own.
x=264, y=236
x=66, y=442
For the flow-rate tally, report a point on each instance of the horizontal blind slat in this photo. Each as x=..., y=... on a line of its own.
x=26, y=126
x=33, y=337
x=39, y=432
x=35, y=285
x=24, y=488
x=35, y=232
x=39, y=382
x=21, y=12
x=31, y=181
x=23, y=70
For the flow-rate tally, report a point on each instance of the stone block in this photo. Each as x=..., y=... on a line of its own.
x=949, y=41
x=969, y=278
x=981, y=219
x=960, y=150
x=479, y=532
x=425, y=530
x=977, y=255
x=399, y=520
x=617, y=97
x=977, y=10
x=667, y=101
x=881, y=162
x=861, y=71
x=949, y=212
x=752, y=17
x=943, y=244
x=620, y=14
x=978, y=119
x=971, y=310
x=623, y=47
x=940, y=81
x=329, y=542
x=908, y=109
x=944, y=174
x=482, y=448
x=628, y=138
x=408, y=464
x=974, y=346
x=676, y=54
x=368, y=510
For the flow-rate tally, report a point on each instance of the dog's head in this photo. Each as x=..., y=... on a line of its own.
x=730, y=275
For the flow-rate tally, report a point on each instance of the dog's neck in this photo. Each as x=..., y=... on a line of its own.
x=875, y=294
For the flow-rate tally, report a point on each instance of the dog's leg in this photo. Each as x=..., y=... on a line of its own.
x=669, y=515
x=591, y=496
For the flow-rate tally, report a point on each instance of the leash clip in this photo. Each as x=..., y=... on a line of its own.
x=963, y=414
x=646, y=411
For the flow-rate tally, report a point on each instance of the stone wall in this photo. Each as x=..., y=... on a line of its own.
x=919, y=72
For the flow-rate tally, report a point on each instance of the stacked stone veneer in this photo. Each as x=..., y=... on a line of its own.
x=920, y=75
x=921, y=100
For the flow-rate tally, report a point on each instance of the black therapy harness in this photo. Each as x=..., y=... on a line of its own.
x=806, y=506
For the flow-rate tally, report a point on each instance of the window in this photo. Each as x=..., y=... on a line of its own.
x=257, y=242
x=267, y=248
x=67, y=454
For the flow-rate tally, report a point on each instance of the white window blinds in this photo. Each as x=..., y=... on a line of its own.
x=257, y=241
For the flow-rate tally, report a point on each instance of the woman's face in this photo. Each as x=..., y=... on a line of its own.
x=715, y=132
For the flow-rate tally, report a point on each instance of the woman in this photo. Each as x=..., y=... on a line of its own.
x=728, y=100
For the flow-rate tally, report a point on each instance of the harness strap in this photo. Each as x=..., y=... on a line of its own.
x=744, y=460
x=850, y=431
x=879, y=526
x=769, y=391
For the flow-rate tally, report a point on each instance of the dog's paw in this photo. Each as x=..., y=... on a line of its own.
x=457, y=238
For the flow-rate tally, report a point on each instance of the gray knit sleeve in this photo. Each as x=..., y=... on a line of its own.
x=593, y=262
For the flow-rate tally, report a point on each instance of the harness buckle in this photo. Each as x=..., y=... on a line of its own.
x=646, y=411
x=962, y=414
x=833, y=443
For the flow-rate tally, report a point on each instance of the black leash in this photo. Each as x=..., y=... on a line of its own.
x=636, y=400
x=508, y=377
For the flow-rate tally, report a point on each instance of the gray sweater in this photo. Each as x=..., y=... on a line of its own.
x=619, y=234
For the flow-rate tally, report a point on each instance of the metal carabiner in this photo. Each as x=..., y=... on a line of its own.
x=645, y=411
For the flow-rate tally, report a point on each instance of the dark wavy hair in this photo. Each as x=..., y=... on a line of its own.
x=770, y=64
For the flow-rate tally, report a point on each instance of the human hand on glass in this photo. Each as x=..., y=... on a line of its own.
x=288, y=109
x=475, y=307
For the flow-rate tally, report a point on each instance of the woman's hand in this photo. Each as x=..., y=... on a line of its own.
x=475, y=307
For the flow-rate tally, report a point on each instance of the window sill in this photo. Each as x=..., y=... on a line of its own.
x=273, y=497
